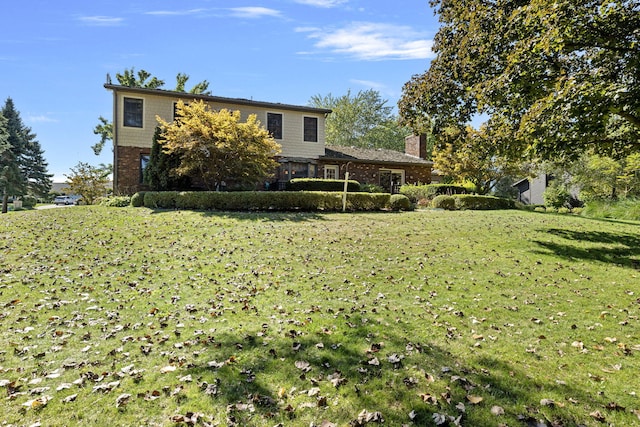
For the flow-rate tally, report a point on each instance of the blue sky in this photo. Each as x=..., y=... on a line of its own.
x=54, y=56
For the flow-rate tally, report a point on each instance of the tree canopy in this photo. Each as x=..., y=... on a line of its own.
x=469, y=155
x=216, y=147
x=363, y=120
x=560, y=76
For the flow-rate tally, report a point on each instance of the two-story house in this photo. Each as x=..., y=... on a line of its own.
x=300, y=130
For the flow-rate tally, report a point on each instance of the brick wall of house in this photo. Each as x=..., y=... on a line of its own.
x=128, y=172
x=367, y=173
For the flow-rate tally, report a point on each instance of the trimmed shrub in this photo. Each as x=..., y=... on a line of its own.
x=415, y=193
x=116, y=201
x=475, y=202
x=137, y=200
x=400, y=202
x=444, y=202
x=265, y=200
x=316, y=184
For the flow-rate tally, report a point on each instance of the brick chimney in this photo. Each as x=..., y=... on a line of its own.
x=416, y=145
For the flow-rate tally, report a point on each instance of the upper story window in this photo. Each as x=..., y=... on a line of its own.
x=133, y=112
x=274, y=125
x=311, y=129
x=176, y=113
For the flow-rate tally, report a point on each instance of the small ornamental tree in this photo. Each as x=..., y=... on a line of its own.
x=90, y=182
x=215, y=146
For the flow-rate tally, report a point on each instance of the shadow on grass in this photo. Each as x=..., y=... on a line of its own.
x=258, y=216
x=614, y=248
x=293, y=379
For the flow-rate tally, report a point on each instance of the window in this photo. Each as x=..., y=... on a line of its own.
x=133, y=112
x=311, y=129
x=331, y=172
x=391, y=180
x=274, y=125
x=144, y=162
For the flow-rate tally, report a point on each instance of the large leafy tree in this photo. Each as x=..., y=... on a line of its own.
x=22, y=166
x=469, y=155
x=560, y=76
x=216, y=147
x=361, y=120
x=142, y=79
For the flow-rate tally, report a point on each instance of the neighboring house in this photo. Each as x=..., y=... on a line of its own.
x=300, y=130
x=530, y=190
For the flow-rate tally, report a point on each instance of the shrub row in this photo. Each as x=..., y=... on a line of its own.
x=316, y=184
x=266, y=200
x=471, y=202
x=416, y=193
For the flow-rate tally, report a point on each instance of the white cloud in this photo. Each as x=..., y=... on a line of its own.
x=322, y=3
x=254, y=12
x=40, y=119
x=101, y=21
x=369, y=84
x=175, y=12
x=368, y=41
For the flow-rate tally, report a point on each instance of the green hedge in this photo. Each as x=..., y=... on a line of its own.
x=316, y=184
x=416, y=193
x=263, y=200
x=471, y=202
x=474, y=202
x=400, y=202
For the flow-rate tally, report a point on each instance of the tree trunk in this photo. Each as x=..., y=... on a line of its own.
x=5, y=202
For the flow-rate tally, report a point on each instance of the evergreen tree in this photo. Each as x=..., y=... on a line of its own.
x=22, y=166
x=159, y=173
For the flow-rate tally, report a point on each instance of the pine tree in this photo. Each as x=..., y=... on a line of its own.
x=23, y=169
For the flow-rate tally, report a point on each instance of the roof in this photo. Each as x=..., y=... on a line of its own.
x=371, y=155
x=217, y=99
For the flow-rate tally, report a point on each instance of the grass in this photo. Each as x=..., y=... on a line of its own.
x=130, y=316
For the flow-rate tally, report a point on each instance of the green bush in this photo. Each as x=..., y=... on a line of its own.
x=28, y=202
x=371, y=188
x=115, y=201
x=540, y=209
x=556, y=196
x=476, y=202
x=400, y=202
x=444, y=202
x=316, y=184
x=137, y=200
x=265, y=200
x=415, y=193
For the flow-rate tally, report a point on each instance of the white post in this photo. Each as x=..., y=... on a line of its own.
x=344, y=194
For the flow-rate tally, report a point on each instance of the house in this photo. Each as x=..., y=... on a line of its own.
x=300, y=130
x=531, y=190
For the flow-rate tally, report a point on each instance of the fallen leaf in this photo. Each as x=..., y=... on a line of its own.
x=474, y=399
x=497, y=410
x=122, y=400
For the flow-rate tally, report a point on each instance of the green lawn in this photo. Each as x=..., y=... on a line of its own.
x=113, y=317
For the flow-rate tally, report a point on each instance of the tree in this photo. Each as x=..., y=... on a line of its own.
x=90, y=182
x=469, y=155
x=23, y=168
x=160, y=172
x=560, y=76
x=361, y=121
x=602, y=177
x=215, y=147
x=141, y=79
